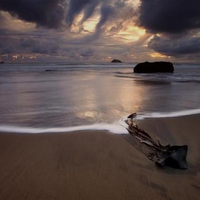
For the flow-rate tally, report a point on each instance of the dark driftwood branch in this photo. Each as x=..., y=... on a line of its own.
x=173, y=156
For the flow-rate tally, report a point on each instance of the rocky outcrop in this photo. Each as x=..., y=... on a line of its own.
x=116, y=61
x=154, y=67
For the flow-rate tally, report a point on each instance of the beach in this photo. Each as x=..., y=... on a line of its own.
x=99, y=100
x=98, y=164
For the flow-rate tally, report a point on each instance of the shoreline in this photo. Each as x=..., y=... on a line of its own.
x=117, y=127
x=93, y=164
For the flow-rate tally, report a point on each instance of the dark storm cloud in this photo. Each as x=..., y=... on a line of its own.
x=169, y=16
x=47, y=13
x=76, y=6
x=59, y=13
x=88, y=7
x=89, y=10
x=177, y=46
x=106, y=12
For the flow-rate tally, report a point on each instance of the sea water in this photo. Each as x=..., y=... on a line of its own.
x=59, y=97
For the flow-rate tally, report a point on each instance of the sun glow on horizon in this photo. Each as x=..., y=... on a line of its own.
x=158, y=55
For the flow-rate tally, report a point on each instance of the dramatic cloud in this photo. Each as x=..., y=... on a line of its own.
x=76, y=6
x=175, y=46
x=175, y=26
x=106, y=12
x=169, y=16
x=63, y=13
x=99, y=30
x=47, y=13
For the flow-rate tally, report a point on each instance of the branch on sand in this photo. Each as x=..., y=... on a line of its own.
x=172, y=156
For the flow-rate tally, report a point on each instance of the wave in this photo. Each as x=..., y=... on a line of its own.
x=118, y=127
x=167, y=114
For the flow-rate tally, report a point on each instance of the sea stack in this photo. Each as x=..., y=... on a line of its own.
x=116, y=61
x=154, y=67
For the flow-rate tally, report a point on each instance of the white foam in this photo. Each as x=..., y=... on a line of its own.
x=116, y=128
x=168, y=114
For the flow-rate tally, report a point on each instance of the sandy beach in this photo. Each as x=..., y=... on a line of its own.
x=98, y=164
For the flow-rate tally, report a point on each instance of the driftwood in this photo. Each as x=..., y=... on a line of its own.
x=172, y=156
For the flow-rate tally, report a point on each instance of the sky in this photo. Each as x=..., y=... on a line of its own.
x=100, y=30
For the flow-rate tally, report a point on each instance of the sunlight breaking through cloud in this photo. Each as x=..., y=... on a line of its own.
x=134, y=30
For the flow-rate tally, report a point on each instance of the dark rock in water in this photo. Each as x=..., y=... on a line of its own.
x=154, y=67
x=116, y=61
x=49, y=70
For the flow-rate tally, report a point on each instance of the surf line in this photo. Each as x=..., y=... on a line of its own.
x=115, y=128
x=168, y=114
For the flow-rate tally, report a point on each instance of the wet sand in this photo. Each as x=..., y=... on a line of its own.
x=98, y=164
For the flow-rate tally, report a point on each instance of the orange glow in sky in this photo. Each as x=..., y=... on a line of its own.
x=158, y=55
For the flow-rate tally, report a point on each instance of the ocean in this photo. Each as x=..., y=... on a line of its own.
x=50, y=97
